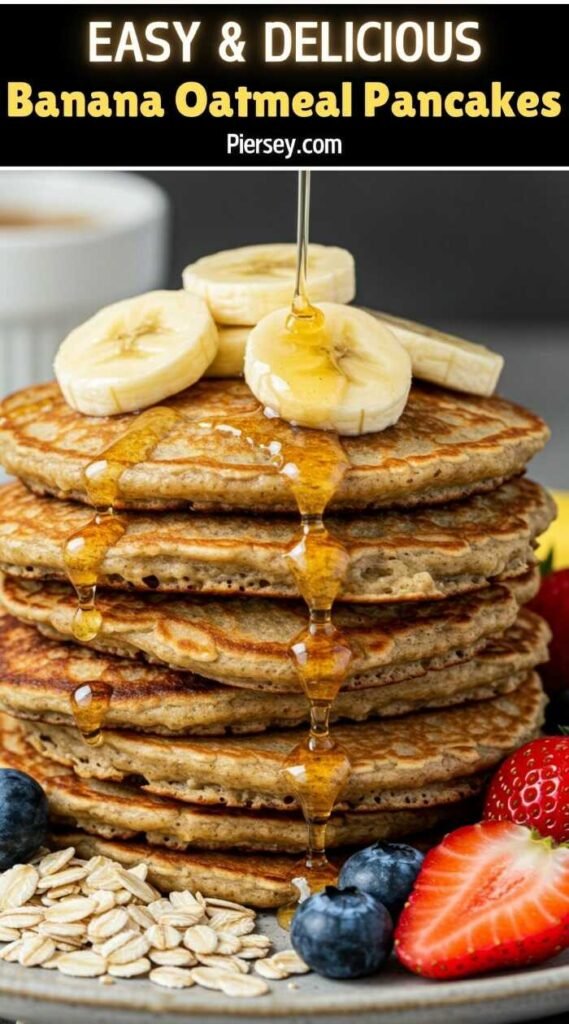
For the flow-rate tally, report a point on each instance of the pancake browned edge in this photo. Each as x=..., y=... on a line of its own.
x=395, y=763
x=427, y=553
x=262, y=881
x=38, y=677
x=445, y=446
x=246, y=642
x=256, y=880
x=120, y=811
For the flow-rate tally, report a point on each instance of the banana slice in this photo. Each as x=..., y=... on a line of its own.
x=444, y=359
x=241, y=286
x=351, y=375
x=231, y=352
x=135, y=353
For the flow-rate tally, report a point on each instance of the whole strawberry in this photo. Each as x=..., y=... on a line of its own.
x=552, y=603
x=531, y=788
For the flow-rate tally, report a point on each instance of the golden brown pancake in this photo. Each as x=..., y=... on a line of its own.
x=445, y=446
x=425, y=553
x=120, y=811
x=38, y=677
x=434, y=752
x=246, y=642
x=255, y=880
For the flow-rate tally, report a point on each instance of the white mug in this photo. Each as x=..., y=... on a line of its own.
x=70, y=242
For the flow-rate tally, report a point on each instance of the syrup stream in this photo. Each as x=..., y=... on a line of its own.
x=318, y=769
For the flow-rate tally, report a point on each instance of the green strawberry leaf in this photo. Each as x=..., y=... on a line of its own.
x=563, y=729
x=546, y=565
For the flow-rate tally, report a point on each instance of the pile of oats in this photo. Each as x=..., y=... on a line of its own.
x=97, y=919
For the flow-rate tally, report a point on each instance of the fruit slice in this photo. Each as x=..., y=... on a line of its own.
x=230, y=358
x=490, y=896
x=241, y=286
x=445, y=359
x=136, y=352
x=348, y=375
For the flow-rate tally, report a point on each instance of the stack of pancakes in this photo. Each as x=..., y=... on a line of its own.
x=200, y=607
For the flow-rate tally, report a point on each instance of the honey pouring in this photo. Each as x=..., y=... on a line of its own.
x=318, y=769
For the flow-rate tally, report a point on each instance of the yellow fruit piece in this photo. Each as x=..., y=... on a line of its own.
x=556, y=538
x=346, y=372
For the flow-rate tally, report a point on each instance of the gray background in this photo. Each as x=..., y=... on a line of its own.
x=480, y=252
x=434, y=244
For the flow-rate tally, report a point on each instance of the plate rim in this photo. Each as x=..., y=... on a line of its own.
x=428, y=995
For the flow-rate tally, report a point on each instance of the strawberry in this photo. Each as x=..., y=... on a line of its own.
x=490, y=896
x=531, y=786
x=552, y=603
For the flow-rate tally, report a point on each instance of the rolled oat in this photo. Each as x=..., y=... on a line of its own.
x=96, y=918
x=172, y=977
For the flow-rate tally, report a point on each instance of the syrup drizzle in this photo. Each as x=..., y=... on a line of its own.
x=86, y=549
x=303, y=314
x=317, y=768
x=314, y=464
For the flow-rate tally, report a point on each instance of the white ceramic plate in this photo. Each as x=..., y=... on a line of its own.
x=394, y=997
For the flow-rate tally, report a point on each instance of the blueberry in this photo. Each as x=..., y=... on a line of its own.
x=342, y=933
x=23, y=817
x=385, y=870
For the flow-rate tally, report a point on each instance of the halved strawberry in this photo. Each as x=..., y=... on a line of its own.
x=489, y=896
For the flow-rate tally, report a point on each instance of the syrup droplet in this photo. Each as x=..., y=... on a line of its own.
x=90, y=703
x=84, y=554
x=87, y=620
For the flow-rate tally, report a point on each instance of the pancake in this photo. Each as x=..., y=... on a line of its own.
x=38, y=677
x=430, y=553
x=262, y=881
x=445, y=446
x=246, y=642
x=120, y=811
x=389, y=759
